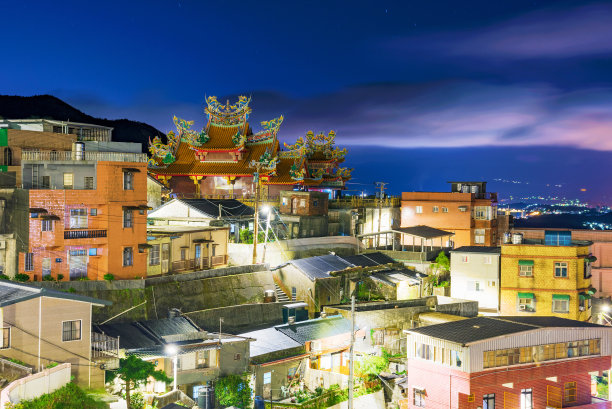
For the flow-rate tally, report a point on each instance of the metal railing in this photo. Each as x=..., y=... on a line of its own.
x=84, y=234
x=356, y=201
x=103, y=346
x=85, y=155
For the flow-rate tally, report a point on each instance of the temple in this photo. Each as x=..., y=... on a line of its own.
x=226, y=159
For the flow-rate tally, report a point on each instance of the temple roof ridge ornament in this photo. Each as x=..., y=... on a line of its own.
x=228, y=114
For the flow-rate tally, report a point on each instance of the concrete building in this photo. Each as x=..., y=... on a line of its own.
x=179, y=249
x=601, y=248
x=506, y=362
x=304, y=213
x=13, y=228
x=468, y=210
x=475, y=275
x=156, y=192
x=547, y=277
x=42, y=326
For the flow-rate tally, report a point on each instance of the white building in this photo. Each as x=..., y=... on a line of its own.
x=475, y=275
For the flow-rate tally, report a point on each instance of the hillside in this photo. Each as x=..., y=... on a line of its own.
x=50, y=107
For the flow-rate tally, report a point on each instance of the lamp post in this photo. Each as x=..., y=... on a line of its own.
x=172, y=350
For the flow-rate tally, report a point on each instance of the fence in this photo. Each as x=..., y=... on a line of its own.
x=11, y=371
x=36, y=385
x=85, y=155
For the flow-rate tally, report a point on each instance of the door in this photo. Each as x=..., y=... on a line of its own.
x=198, y=256
x=77, y=264
x=336, y=362
x=294, y=205
x=165, y=257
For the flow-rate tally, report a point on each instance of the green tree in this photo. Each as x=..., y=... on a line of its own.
x=370, y=366
x=233, y=390
x=135, y=372
x=442, y=264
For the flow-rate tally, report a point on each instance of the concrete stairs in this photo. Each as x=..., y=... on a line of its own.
x=280, y=294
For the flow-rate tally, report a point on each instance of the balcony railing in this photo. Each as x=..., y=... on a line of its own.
x=106, y=349
x=85, y=155
x=84, y=234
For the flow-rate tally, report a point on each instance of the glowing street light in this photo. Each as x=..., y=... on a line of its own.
x=172, y=350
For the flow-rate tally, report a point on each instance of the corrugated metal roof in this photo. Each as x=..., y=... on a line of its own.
x=315, y=329
x=12, y=293
x=229, y=207
x=320, y=266
x=269, y=340
x=368, y=259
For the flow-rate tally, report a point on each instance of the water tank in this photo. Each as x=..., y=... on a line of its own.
x=517, y=238
x=507, y=237
x=78, y=151
x=206, y=397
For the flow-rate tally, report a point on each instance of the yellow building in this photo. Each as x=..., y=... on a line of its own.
x=547, y=277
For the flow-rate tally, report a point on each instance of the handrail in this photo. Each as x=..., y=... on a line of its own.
x=85, y=155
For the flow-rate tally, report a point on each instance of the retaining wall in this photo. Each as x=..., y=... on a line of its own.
x=36, y=385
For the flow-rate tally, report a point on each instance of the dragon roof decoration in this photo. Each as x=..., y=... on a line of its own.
x=270, y=130
x=228, y=114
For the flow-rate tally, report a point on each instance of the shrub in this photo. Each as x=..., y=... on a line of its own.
x=60, y=277
x=109, y=277
x=71, y=290
x=48, y=278
x=233, y=390
x=67, y=397
x=4, y=277
x=51, y=365
x=21, y=277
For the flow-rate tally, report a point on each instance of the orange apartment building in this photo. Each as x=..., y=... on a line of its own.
x=468, y=211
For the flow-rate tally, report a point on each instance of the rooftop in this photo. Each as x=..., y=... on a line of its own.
x=13, y=293
x=482, y=328
x=320, y=266
x=541, y=242
x=368, y=260
x=214, y=208
x=477, y=249
x=318, y=328
x=269, y=340
x=424, y=232
x=168, y=229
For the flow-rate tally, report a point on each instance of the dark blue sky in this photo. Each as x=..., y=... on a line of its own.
x=420, y=92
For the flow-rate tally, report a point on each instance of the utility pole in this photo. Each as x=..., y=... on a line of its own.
x=219, y=351
x=381, y=186
x=256, y=220
x=351, y=355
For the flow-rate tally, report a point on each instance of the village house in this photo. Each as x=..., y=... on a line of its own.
x=475, y=275
x=42, y=326
x=304, y=213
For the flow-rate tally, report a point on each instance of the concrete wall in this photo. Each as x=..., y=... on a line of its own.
x=239, y=318
x=55, y=170
x=14, y=230
x=476, y=276
x=12, y=371
x=35, y=385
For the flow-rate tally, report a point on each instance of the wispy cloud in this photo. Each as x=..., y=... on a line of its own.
x=543, y=34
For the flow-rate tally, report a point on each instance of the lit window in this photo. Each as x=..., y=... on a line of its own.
x=435, y=209
x=419, y=209
x=68, y=180
x=128, y=181
x=71, y=330
x=488, y=401
x=560, y=303
x=445, y=210
x=78, y=219
x=561, y=269
x=526, y=399
x=93, y=251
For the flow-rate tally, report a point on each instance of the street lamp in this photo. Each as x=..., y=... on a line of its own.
x=172, y=350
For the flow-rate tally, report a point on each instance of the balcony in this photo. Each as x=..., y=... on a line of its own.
x=83, y=156
x=105, y=349
x=84, y=234
x=198, y=263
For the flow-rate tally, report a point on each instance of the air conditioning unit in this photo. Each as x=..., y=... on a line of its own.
x=522, y=307
x=2, y=245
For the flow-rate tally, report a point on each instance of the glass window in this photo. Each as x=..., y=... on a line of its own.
x=488, y=401
x=128, y=181
x=93, y=212
x=424, y=351
x=587, y=269
x=93, y=251
x=435, y=209
x=154, y=255
x=47, y=225
x=71, y=330
x=128, y=257
x=89, y=182
x=127, y=219
x=267, y=378
x=419, y=398
x=419, y=209
x=445, y=210
x=569, y=392
x=46, y=182
x=78, y=219
x=456, y=359
x=293, y=293
x=526, y=399
x=68, y=180
x=526, y=271
x=465, y=259
x=561, y=269
x=29, y=262
x=202, y=360
x=6, y=338
x=560, y=305
x=526, y=304
x=46, y=267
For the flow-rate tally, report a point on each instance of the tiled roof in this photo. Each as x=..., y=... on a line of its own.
x=269, y=340
x=481, y=328
x=229, y=207
x=318, y=328
x=221, y=137
x=477, y=249
x=320, y=266
x=12, y=293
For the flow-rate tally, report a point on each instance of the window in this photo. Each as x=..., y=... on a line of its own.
x=423, y=351
x=89, y=182
x=315, y=203
x=419, y=397
x=77, y=262
x=93, y=212
x=456, y=359
x=267, y=378
x=560, y=303
x=183, y=254
x=293, y=293
x=127, y=219
x=68, y=180
x=526, y=399
x=445, y=210
x=526, y=268
x=419, y=209
x=46, y=267
x=526, y=302
x=436, y=209
x=237, y=357
x=569, y=392
x=154, y=255
x=379, y=337
x=7, y=157
x=302, y=202
x=285, y=201
x=47, y=225
x=487, y=259
x=71, y=330
x=46, y=182
x=587, y=268
x=561, y=269
x=6, y=338
x=128, y=257
x=202, y=359
x=478, y=286
x=128, y=181
x=93, y=251
x=482, y=213
x=78, y=219
x=29, y=262
x=479, y=236
x=488, y=401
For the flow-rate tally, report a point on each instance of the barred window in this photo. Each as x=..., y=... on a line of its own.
x=128, y=257
x=6, y=338
x=154, y=255
x=47, y=225
x=71, y=330
x=127, y=219
x=128, y=181
x=29, y=262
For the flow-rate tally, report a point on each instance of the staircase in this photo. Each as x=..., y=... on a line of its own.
x=280, y=294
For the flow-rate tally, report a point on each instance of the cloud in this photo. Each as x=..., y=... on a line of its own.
x=543, y=34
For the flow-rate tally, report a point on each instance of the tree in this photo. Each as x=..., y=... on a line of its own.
x=233, y=390
x=135, y=372
x=442, y=264
x=370, y=366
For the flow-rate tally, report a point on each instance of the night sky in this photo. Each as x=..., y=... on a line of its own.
x=420, y=92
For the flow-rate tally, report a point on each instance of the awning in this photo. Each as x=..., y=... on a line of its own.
x=202, y=241
x=585, y=296
x=564, y=297
x=142, y=246
x=144, y=207
x=37, y=210
x=50, y=217
x=526, y=295
x=525, y=262
x=131, y=207
x=591, y=259
x=133, y=170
